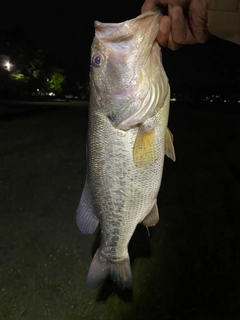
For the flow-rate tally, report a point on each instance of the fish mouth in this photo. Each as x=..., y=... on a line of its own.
x=124, y=31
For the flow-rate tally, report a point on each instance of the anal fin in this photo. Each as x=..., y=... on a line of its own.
x=152, y=218
x=87, y=219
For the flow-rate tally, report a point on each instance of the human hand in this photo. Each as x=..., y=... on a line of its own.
x=186, y=22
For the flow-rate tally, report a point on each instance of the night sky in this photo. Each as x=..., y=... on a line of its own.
x=65, y=30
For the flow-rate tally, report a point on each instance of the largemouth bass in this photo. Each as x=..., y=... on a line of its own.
x=127, y=140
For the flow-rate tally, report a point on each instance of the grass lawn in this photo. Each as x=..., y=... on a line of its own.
x=187, y=269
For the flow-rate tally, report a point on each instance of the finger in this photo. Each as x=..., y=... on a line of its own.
x=164, y=31
x=148, y=4
x=181, y=32
x=164, y=37
x=172, y=44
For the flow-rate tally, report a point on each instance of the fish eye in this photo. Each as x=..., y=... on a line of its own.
x=97, y=60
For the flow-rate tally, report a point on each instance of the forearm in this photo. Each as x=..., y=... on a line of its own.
x=224, y=19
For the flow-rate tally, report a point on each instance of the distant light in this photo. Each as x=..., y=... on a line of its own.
x=38, y=90
x=225, y=100
x=238, y=101
x=173, y=99
x=7, y=65
x=51, y=94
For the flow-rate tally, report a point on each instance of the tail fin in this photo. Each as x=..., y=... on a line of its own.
x=119, y=271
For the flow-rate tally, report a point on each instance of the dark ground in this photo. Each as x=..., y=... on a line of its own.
x=187, y=269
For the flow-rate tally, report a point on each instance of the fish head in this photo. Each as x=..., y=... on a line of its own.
x=127, y=80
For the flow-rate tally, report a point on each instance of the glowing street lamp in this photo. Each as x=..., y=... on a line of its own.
x=7, y=65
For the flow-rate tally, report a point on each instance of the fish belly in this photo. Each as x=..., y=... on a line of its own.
x=122, y=194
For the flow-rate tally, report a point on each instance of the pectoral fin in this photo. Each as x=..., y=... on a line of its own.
x=144, y=150
x=169, y=147
x=152, y=218
x=87, y=219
